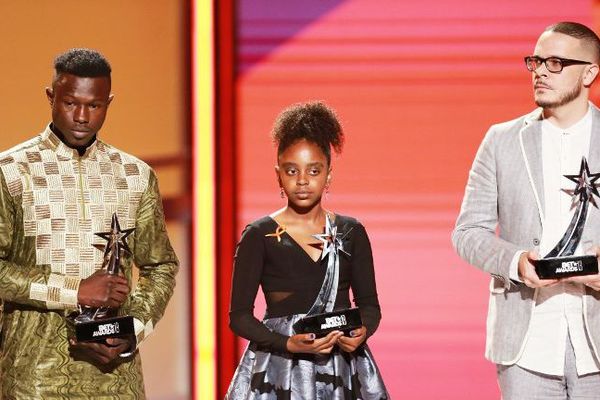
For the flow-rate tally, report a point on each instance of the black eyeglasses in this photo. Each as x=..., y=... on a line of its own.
x=553, y=64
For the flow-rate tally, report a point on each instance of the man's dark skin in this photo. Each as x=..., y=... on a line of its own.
x=79, y=106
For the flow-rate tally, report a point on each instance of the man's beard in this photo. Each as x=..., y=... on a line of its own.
x=564, y=98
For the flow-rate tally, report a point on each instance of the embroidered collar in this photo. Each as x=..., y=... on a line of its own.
x=51, y=141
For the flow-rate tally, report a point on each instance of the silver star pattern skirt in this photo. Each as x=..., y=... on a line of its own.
x=267, y=375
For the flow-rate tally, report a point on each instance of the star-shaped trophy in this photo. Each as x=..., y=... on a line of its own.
x=333, y=242
x=115, y=245
x=560, y=261
x=93, y=324
x=321, y=318
x=586, y=184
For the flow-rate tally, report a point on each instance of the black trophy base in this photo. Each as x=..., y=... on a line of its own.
x=102, y=329
x=321, y=324
x=563, y=267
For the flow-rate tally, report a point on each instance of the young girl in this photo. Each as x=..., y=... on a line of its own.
x=280, y=253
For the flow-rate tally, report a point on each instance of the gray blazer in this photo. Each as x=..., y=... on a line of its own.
x=500, y=195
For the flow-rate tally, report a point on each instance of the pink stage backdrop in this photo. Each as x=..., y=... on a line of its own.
x=416, y=84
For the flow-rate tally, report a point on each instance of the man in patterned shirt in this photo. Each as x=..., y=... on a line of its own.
x=56, y=191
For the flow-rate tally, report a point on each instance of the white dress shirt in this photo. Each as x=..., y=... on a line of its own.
x=558, y=312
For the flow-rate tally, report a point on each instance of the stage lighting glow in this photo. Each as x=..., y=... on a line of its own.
x=203, y=240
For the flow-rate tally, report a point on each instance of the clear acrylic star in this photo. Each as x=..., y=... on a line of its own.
x=116, y=237
x=333, y=242
x=586, y=183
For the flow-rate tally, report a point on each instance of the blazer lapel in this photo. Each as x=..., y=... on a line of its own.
x=594, y=155
x=593, y=219
x=532, y=146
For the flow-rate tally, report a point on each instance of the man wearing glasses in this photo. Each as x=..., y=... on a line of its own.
x=543, y=334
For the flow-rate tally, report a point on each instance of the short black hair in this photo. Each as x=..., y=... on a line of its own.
x=312, y=121
x=86, y=63
x=581, y=32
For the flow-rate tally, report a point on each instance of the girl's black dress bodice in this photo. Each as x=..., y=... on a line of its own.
x=291, y=279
